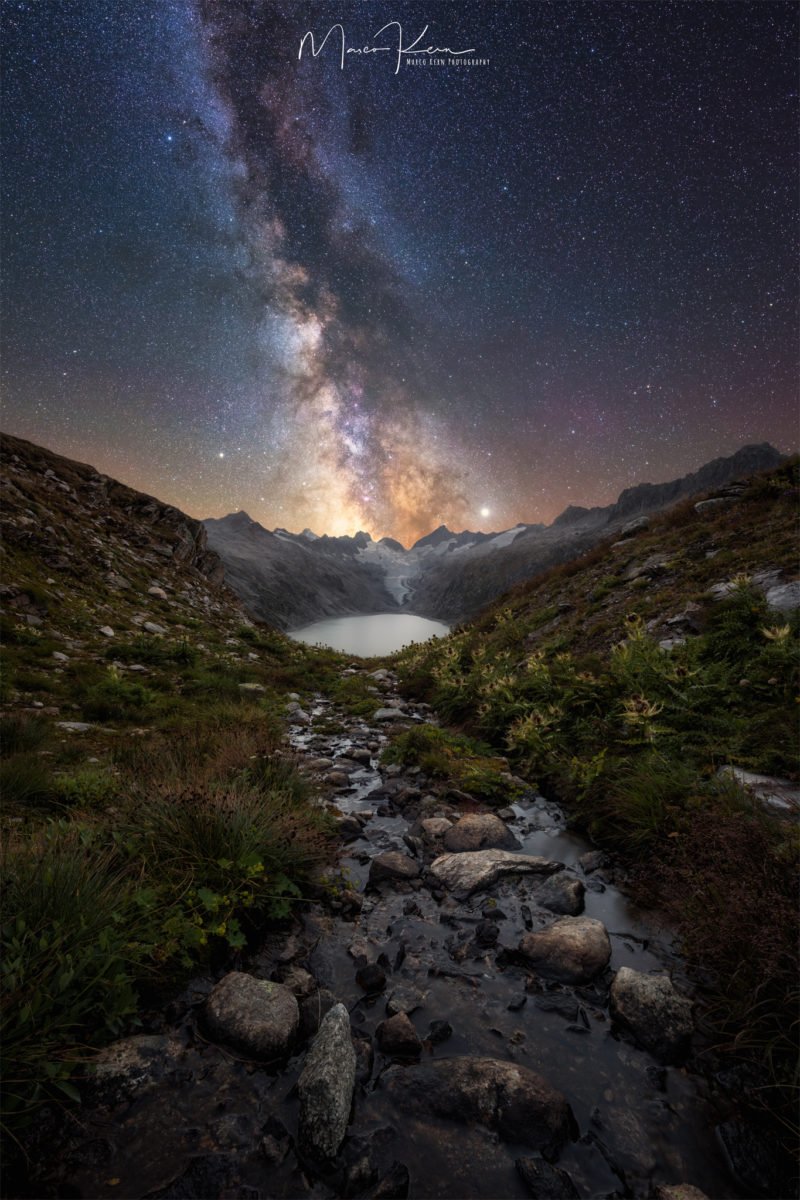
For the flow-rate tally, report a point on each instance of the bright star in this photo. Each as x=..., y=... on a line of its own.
x=485, y=512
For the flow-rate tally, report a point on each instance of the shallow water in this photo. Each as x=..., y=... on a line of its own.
x=367, y=636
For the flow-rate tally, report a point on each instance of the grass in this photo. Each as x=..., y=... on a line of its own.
x=469, y=765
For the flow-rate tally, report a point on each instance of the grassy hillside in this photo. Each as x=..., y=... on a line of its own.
x=148, y=824
x=622, y=683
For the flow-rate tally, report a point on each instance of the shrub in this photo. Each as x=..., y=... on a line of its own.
x=117, y=699
x=26, y=781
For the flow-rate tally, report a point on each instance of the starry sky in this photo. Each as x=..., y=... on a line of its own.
x=413, y=289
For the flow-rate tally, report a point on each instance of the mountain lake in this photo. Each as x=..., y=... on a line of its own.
x=368, y=636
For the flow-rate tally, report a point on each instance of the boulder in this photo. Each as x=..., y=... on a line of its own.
x=545, y=1182
x=784, y=598
x=153, y=627
x=133, y=1066
x=398, y=1037
x=405, y=998
x=780, y=795
x=106, y=631
x=325, y=1086
x=650, y=1008
x=434, y=827
x=509, y=1099
x=261, y=1018
x=563, y=895
x=679, y=1191
x=479, y=831
x=476, y=870
x=252, y=689
x=389, y=714
x=392, y=866
x=571, y=950
x=371, y=977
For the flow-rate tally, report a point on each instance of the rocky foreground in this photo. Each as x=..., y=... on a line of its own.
x=472, y=1007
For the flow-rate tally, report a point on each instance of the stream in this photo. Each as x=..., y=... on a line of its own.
x=199, y=1120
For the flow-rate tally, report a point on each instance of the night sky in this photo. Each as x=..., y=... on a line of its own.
x=361, y=298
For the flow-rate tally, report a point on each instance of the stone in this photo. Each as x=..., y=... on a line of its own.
x=134, y=1066
x=389, y=714
x=486, y=934
x=325, y=1086
x=434, y=827
x=649, y=1007
x=258, y=1016
x=106, y=631
x=545, y=1182
x=392, y=866
x=509, y=1099
x=398, y=1037
x=466, y=873
x=153, y=627
x=337, y=779
x=563, y=895
x=479, y=831
x=785, y=598
x=633, y=527
x=252, y=689
x=158, y=592
x=571, y=950
x=406, y=999
x=59, y=656
x=313, y=1009
x=371, y=977
x=779, y=795
x=591, y=861
x=75, y=726
x=714, y=502
x=300, y=982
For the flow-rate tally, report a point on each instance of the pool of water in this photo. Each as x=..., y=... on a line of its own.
x=377, y=633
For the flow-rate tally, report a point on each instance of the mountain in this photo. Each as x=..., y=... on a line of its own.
x=294, y=579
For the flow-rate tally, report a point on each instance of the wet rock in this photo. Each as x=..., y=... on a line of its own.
x=545, y=1182
x=479, y=831
x=486, y=934
x=371, y=977
x=133, y=1066
x=435, y=827
x=406, y=998
x=258, y=1016
x=348, y=828
x=325, y=1086
x=337, y=779
x=593, y=860
x=506, y=814
x=392, y=866
x=571, y=950
x=477, y=870
x=301, y=983
x=438, y=1032
x=313, y=1009
x=678, y=1191
x=650, y=1008
x=364, y=1059
x=559, y=1002
x=510, y=1099
x=398, y=1037
x=562, y=895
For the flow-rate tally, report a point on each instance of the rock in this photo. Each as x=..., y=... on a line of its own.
x=106, y=631
x=349, y=828
x=479, y=831
x=394, y=1185
x=650, y=1008
x=133, y=1066
x=74, y=726
x=634, y=527
x=438, y=1032
x=562, y=895
x=780, y=795
x=545, y=1182
x=337, y=779
x=784, y=598
x=671, y=643
x=158, y=592
x=152, y=627
x=505, y=1097
x=571, y=950
x=506, y=814
x=258, y=1016
x=398, y=1037
x=591, y=861
x=406, y=999
x=325, y=1086
x=59, y=656
x=486, y=934
x=252, y=689
x=313, y=1009
x=477, y=870
x=434, y=827
x=389, y=714
x=714, y=502
x=678, y=1191
x=392, y=866
x=301, y=983
x=371, y=977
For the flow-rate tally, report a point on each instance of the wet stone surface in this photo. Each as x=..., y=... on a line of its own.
x=475, y=1073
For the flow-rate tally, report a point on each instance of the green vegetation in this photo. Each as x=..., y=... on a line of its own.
x=567, y=677
x=468, y=764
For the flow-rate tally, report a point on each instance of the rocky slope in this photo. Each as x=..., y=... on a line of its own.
x=293, y=579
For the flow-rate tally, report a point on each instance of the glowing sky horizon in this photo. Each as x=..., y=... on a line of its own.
x=360, y=299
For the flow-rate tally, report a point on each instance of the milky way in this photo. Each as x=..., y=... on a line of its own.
x=383, y=299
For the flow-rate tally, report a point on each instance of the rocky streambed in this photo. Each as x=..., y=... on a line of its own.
x=479, y=1012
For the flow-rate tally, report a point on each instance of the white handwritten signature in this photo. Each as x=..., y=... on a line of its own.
x=400, y=49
